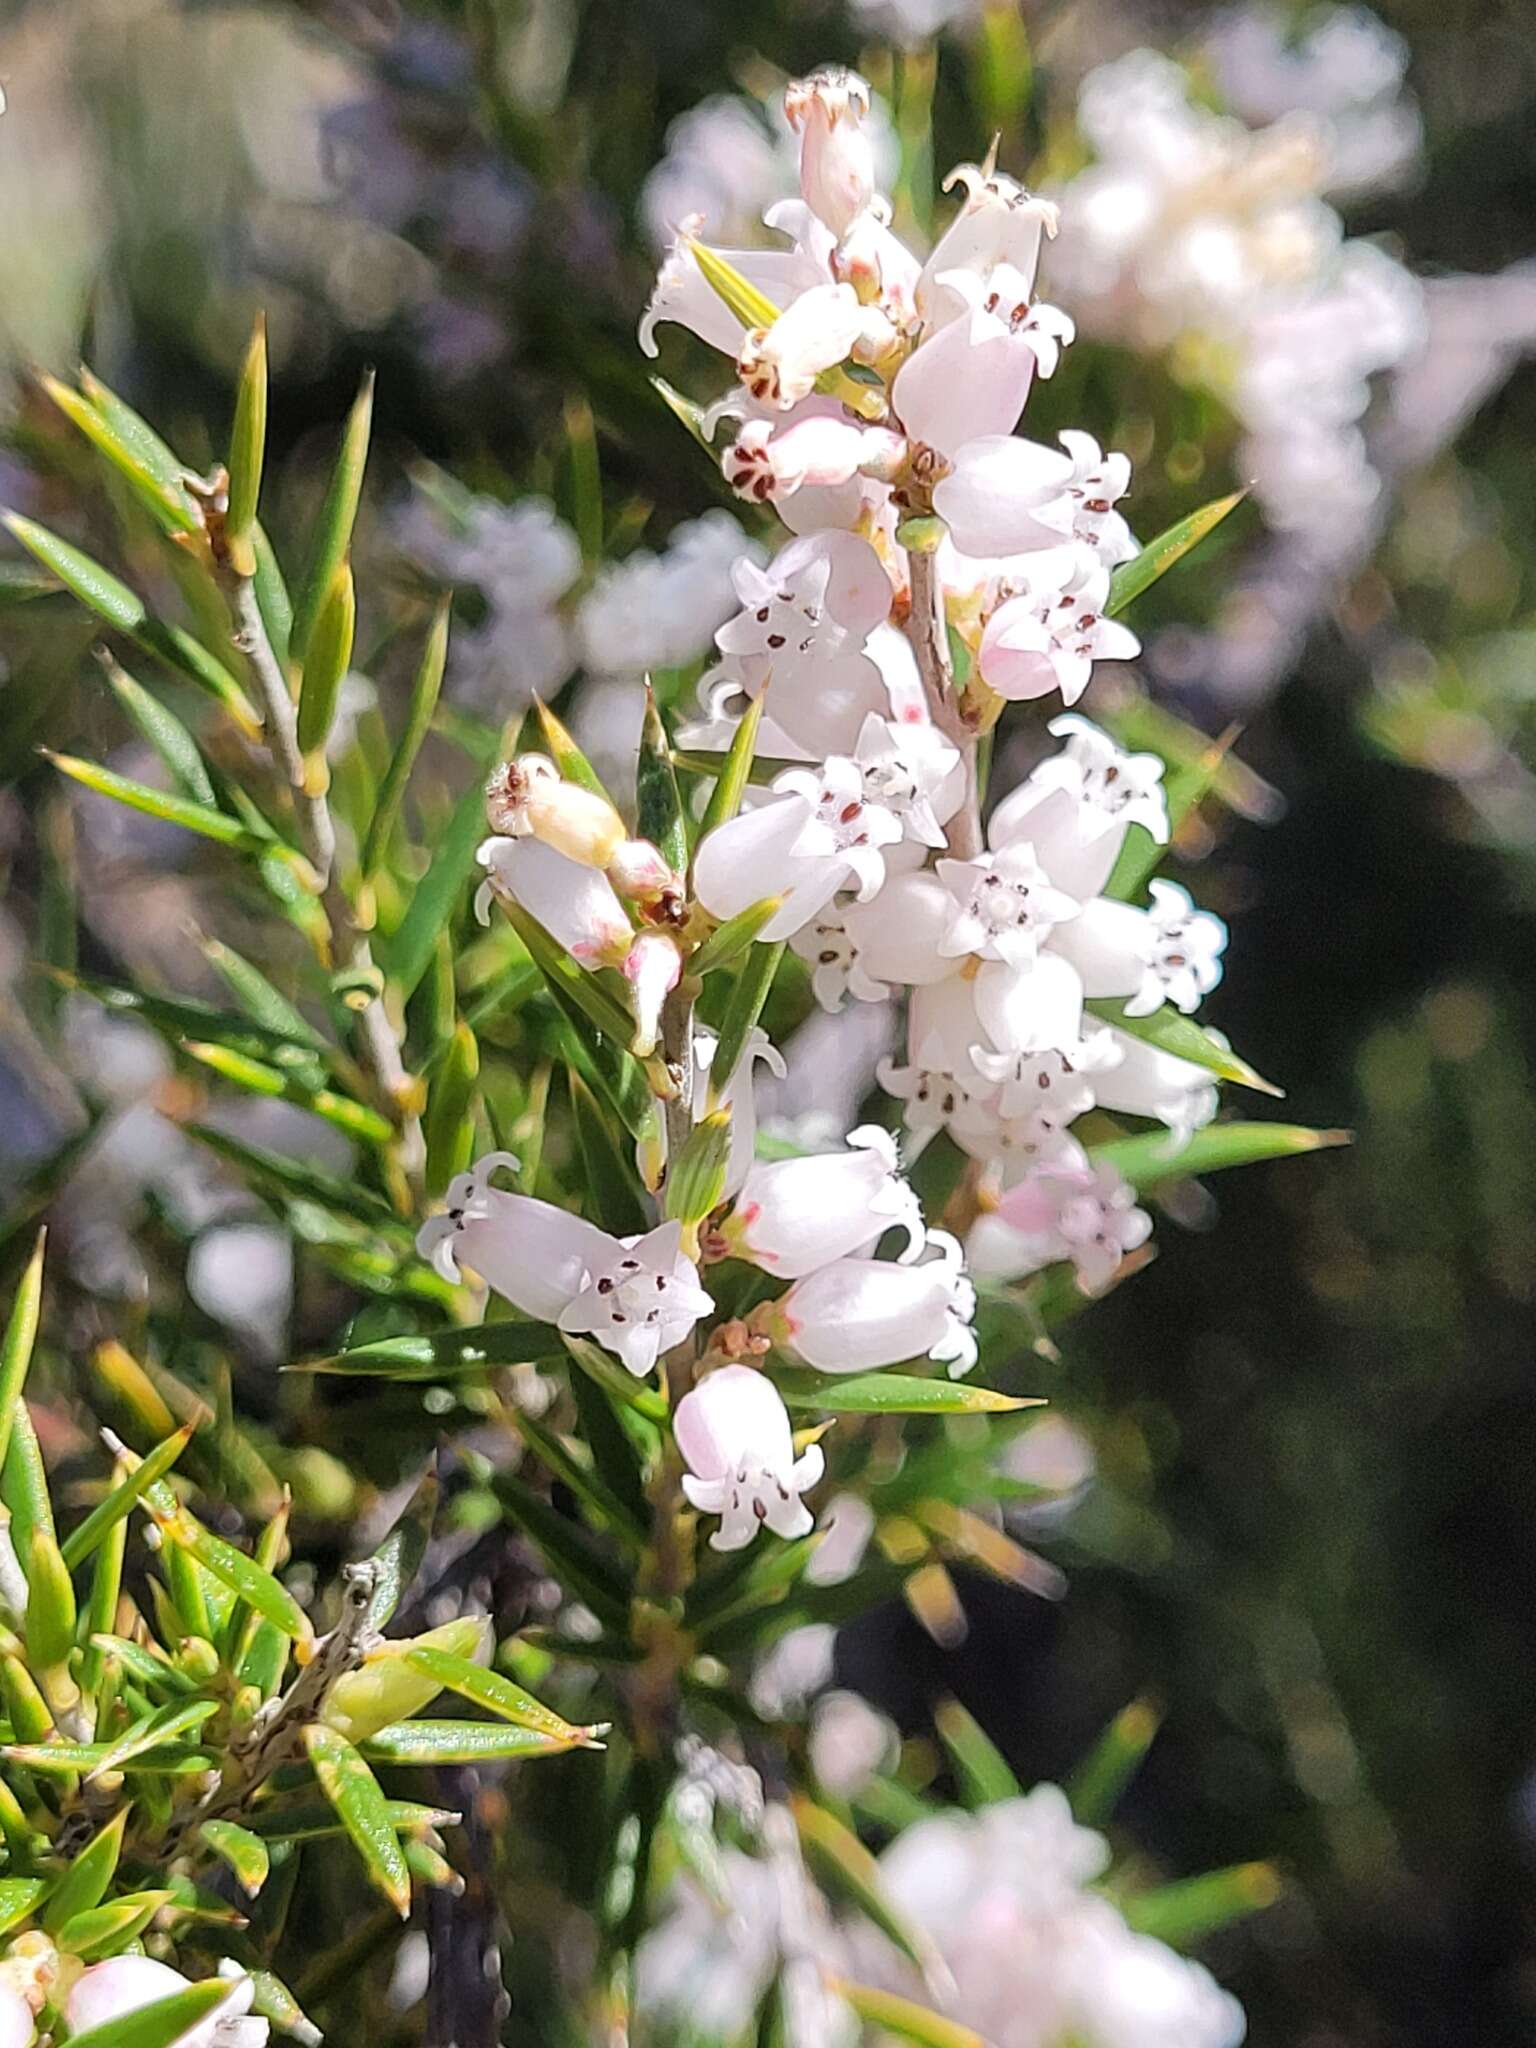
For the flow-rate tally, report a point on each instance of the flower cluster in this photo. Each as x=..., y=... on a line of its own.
x=1192, y=228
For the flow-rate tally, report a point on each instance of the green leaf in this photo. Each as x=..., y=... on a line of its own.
x=279, y=1178
x=582, y=989
x=20, y=583
x=50, y=1619
x=241, y=1574
x=846, y=1868
x=449, y=1123
x=168, y=499
x=751, y=307
x=695, y=1182
x=604, y=1370
x=332, y=539
x=754, y=985
x=658, y=806
x=158, y=803
x=153, y=1731
x=1159, y=556
x=418, y=722
x=407, y=953
x=900, y=2016
x=1172, y=1032
x=327, y=658
x=354, y=1792
x=735, y=769
x=566, y=755
x=162, y=2024
x=609, y=1180
x=747, y=1582
x=303, y=1821
x=20, y=1336
x=572, y=1554
x=265, y=1005
x=272, y=2000
x=498, y=1695
x=889, y=1393
x=246, y=1854
x=67, y=1759
x=1157, y=1156
x=134, y=431
x=443, y=1354
x=1192, y=1908
x=146, y=1667
x=398, y=1558
x=108, y=1930
x=272, y=599
x=256, y=1078
x=982, y=1772
x=164, y=731
x=247, y=451
x=124, y=1497
x=18, y=1897
x=465, y=1742
x=601, y=1505
x=1095, y=1787
x=24, y=1481
x=85, y=1881
x=620, y=1443
x=734, y=936
x=101, y=592
x=687, y=410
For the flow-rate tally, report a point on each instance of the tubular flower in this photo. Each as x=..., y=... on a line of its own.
x=640, y=1299
x=1050, y=628
x=653, y=967
x=574, y=903
x=793, y=1215
x=779, y=365
x=111, y=1990
x=972, y=373
x=837, y=159
x=733, y=1430
x=529, y=798
x=17, y=2027
x=534, y=1255
x=1086, y=1214
x=857, y=1315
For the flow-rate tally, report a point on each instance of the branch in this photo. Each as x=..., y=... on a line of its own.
x=929, y=634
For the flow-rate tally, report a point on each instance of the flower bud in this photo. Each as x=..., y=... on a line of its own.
x=640, y=875
x=652, y=967
x=779, y=365
x=837, y=159
x=529, y=798
x=733, y=1430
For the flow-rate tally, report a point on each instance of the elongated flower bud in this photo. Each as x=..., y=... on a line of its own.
x=529, y=798
x=837, y=160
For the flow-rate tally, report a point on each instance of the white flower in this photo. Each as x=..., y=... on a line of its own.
x=829, y=949
x=793, y=1215
x=534, y=1255
x=1145, y=1081
x=111, y=1990
x=1000, y=223
x=815, y=447
x=837, y=158
x=1126, y=1990
x=1056, y=1085
x=971, y=375
x=1098, y=481
x=820, y=594
x=17, y=2027
x=899, y=935
x=1086, y=1214
x=1049, y=635
x=575, y=904
x=733, y=1430
x=640, y=1299
x=683, y=293
x=1003, y=495
x=779, y=365
x=914, y=773
x=934, y=1098
x=1170, y=953
x=858, y=1315
x=1004, y=906
x=736, y=1094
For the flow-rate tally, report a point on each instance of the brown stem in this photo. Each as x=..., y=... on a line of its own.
x=928, y=632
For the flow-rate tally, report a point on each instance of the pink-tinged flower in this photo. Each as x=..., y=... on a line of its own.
x=653, y=967
x=1076, y=807
x=1000, y=223
x=793, y=1215
x=837, y=158
x=772, y=460
x=534, y=1255
x=1098, y=481
x=17, y=2027
x=733, y=1430
x=1003, y=906
x=122, y=1985
x=640, y=875
x=1004, y=495
x=574, y=903
x=759, y=853
x=1050, y=635
x=779, y=365
x=683, y=293
x=879, y=266
x=530, y=799
x=971, y=375
x=859, y=1315
x=641, y=1299
x=1088, y=1215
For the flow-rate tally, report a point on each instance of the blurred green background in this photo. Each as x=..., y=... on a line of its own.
x=1312, y=1422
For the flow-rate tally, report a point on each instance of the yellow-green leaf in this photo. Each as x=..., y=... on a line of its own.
x=1159, y=556
x=241, y=1574
x=751, y=307
x=327, y=657
x=169, y=501
x=247, y=450
x=152, y=1731
x=107, y=1930
x=1156, y=1156
x=418, y=721
x=734, y=936
x=20, y=1336
x=735, y=769
x=159, y=803
x=890, y=1393
x=1172, y=1032
x=1094, y=1788
x=498, y=1695
x=467, y=1742
x=246, y=1854
x=332, y=540
x=386, y=1687
x=902, y=2017
x=354, y=1792
x=161, y=2024
x=50, y=1622
x=18, y=1898
x=84, y=1883
x=120, y=1502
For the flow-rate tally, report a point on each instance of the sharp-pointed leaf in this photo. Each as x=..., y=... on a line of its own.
x=407, y=953
x=169, y=501
x=1193, y=1908
x=445, y=1353
x=754, y=985
x=1159, y=556
x=733, y=937
x=1095, y=1787
x=468, y=1742
x=256, y=1078
x=354, y=1792
x=332, y=539
x=203, y=819
x=164, y=732
x=735, y=769
x=1172, y=1032
x=1156, y=1156
x=165, y=1726
x=418, y=722
x=241, y=1574
x=751, y=307
x=904, y=2019
x=327, y=658
x=84, y=1883
x=18, y=1898
x=20, y=1336
x=247, y=452
x=498, y=1695
x=246, y=1854
x=846, y=1868
x=564, y=752
x=161, y=2024
x=658, y=806
x=982, y=1773
x=609, y=1181
x=125, y=1496
x=890, y=1393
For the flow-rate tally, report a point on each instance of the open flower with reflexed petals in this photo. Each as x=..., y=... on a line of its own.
x=733, y=1430
x=640, y=1299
